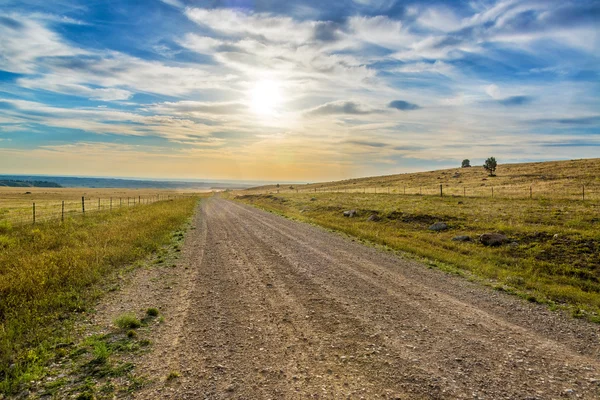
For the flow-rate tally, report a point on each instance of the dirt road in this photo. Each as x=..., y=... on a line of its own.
x=276, y=309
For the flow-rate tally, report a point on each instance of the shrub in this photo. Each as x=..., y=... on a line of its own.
x=127, y=321
x=152, y=312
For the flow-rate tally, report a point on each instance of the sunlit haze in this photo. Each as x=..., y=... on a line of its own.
x=294, y=90
x=266, y=97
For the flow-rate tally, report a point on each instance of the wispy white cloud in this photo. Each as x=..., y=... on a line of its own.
x=51, y=84
x=26, y=40
x=272, y=28
x=105, y=120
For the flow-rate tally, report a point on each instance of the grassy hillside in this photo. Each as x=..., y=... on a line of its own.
x=553, y=179
x=553, y=251
x=50, y=272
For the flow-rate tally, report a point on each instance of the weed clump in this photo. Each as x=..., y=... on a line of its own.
x=127, y=321
x=100, y=352
x=152, y=312
x=173, y=375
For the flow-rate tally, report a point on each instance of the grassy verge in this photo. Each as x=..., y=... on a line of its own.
x=553, y=257
x=51, y=272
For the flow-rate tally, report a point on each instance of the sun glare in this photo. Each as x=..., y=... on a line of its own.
x=266, y=97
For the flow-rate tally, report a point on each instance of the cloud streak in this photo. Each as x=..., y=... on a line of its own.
x=342, y=108
x=403, y=105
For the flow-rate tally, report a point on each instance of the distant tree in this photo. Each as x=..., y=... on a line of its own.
x=278, y=186
x=466, y=163
x=490, y=165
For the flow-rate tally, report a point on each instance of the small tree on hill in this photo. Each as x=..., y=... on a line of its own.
x=465, y=163
x=490, y=165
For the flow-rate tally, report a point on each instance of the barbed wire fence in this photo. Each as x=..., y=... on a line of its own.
x=60, y=210
x=570, y=192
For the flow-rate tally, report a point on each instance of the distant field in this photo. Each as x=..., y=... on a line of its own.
x=554, y=250
x=50, y=272
x=16, y=204
x=554, y=179
x=21, y=183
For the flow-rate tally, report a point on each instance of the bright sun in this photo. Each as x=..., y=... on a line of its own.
x=266, y=97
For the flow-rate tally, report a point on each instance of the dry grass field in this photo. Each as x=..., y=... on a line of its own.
x=53, y=271
x=16, y=204
x=553, y=253
x=554, y=179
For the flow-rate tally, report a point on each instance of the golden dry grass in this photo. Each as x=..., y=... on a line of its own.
x=16, y=204
x=562, y=270
x=553, y=179
x=52, y=271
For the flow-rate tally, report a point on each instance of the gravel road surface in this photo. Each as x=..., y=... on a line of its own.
x=270, y=308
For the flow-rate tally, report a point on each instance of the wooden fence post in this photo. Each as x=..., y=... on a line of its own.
x=530, y=192
x=34, y=213
x=441, y=190
x=62, y=213
x=492, y=192
x=139, y=199
x=98, y=203
x=83, y=205
x=583, y=192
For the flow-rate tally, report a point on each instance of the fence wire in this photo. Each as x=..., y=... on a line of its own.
x=52, y=210
x=570, y=192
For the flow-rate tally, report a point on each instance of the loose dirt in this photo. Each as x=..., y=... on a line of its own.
x=267, y=308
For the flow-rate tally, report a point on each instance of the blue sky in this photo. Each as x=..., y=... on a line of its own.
x=297, y=90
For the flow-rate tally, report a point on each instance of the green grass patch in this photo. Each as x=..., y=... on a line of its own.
x=51, y=272
x=152, y=312
x=127, y=321
x=99, y=369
